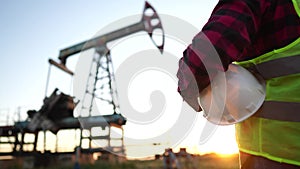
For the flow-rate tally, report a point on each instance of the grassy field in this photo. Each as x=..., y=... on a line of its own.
x=209, y=161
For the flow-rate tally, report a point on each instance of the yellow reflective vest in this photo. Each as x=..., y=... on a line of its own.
x=274, y=131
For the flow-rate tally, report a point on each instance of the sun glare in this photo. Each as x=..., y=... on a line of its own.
x=228, y=149
x=222, y=142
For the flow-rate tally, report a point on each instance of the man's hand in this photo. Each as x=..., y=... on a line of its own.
x=191, y=97
x=187, y=85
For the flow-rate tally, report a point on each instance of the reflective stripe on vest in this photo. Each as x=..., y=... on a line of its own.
x=276, y=110
x=279, y=67
x=283, y=111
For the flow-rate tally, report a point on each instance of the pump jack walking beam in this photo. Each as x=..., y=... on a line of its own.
x=148, y=23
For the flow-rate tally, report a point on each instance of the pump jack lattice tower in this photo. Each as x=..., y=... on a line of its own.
x=101, y=87
x=101, y=84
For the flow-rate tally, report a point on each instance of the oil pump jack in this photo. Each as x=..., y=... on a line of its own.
x=57, y=110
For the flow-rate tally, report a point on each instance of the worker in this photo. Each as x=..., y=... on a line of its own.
x=262, y=36
x=170, y=160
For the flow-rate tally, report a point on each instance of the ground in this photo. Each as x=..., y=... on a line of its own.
x=209, y=161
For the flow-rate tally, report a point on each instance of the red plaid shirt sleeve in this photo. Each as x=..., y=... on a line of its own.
x=237, y=30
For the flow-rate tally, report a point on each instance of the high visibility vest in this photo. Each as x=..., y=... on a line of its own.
x=273, y=131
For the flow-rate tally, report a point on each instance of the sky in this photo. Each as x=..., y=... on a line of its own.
x=33, y=31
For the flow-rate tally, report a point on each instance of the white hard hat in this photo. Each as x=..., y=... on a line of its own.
x=232, y=96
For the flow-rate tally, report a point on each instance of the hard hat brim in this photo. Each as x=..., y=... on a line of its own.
x=232, y=97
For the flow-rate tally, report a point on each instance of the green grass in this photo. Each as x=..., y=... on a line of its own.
x=210, y=161
x=97, y=165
